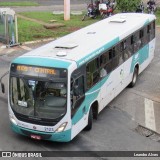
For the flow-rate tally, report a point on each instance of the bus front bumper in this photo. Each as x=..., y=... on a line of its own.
x=64, y=136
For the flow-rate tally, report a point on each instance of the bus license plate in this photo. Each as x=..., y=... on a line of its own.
x=36, y=137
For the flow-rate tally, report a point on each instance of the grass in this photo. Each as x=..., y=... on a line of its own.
x=46, y=16
x=158, y=16
x=29, y=31
x=24, y=3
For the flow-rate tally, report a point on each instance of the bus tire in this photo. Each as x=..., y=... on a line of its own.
x=134, y=78
x=90, y=120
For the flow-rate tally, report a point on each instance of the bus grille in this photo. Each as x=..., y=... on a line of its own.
x=43, y=136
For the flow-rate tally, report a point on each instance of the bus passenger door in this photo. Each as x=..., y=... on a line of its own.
x=77, y=98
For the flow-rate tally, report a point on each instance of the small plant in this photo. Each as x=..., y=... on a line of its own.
x=128, y=5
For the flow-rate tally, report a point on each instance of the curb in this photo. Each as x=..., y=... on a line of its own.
x=38, y=41
x=31, y=42
x=3, y=47
x=72, y=12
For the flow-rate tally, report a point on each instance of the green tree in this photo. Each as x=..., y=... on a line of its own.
x=128, y=5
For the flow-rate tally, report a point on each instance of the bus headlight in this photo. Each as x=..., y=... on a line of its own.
x=12, y=119
x=62, y=127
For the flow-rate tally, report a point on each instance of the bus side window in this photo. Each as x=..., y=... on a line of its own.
x=124, y=50
x=78, y=87
x=104, y=58
x=141, y=37
x=129, y=46
x=149, y=32
x=153, y=30
x=77, y=93
x=105, y=63
x=137, y=40
x=92, y=70
x=145, y=38
x=115, y=58
x=132, y=43
x=135, y=43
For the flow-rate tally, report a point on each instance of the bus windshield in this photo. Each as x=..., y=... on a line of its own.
x=37, y=98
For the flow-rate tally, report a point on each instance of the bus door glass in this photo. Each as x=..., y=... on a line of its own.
x=77, y=93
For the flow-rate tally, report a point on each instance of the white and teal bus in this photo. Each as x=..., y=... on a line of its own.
x=56, y=91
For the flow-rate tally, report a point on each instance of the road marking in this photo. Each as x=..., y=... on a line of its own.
x=1, y=49
x=149, y=114
x=26, y=48
x=10, y=51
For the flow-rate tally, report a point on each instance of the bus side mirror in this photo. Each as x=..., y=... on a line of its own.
x=3, y=88
x=2, y=84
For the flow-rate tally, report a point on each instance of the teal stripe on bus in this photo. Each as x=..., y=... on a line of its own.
x=46, y=62
x=147, y=22
x=64, y=136
x=98, y=51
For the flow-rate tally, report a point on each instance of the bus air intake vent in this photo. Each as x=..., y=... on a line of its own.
x=118, y=20
x=66, y=46
x=61, y=54
x=91, y=32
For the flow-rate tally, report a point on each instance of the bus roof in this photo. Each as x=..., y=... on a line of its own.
x=84, y=44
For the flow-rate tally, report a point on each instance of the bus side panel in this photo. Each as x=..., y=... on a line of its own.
x=122, y=76
x=80, y=119
x=106, y=92
x=149, y=52
x=112, y=86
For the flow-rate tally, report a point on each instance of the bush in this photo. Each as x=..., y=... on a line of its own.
x=128, y=5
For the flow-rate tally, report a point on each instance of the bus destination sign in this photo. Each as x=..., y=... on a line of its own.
x=40, y=70
x=36, y=71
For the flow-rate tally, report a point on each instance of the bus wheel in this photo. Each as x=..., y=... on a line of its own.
x=90, y=120
x=134, y=78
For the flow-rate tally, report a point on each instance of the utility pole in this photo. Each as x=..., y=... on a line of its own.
x=67, y=10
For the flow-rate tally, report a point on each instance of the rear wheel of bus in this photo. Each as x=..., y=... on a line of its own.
x=134, y=78
x=90, y=120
